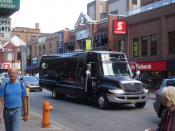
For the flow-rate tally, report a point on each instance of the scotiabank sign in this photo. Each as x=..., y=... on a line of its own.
x=5, y=66
x=149, y=66
x=119, y=27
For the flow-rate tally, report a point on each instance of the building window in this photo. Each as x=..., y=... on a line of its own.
x=18, y=36
x=144, y=46
x=10, y=56
x=121, y=46
x=134, y=2
x=50, y=46
x=19, y=56
x=44, y=49
x=135, y=47
x=114, y=12
x=40, y=50
x=33, y=37
x=153, y=45
x=103, y=15
x=171, y=43
x=35, y=50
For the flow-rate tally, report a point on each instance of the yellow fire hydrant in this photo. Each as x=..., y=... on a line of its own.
x=47, y=108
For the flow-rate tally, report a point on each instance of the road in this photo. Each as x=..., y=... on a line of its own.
x=79, y=116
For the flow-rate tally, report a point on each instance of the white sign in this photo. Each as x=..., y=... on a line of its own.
x=5, y=29
x=83, y=34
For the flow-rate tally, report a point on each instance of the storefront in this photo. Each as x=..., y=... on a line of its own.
x=151, y=73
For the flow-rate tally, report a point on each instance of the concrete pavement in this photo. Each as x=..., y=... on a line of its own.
x=34, y=124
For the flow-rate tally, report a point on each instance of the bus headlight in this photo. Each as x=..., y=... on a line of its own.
x=145, y=90
x=119, y=91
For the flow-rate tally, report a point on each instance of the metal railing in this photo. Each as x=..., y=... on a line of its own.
x=149, y=7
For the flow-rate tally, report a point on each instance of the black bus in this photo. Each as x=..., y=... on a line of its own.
x=102, y=76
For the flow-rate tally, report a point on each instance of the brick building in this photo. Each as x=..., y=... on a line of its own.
x=151, y=40
x=27, y=34
x=148, y=42
x=11, y=54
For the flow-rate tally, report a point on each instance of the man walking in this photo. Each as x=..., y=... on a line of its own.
x=13, y=98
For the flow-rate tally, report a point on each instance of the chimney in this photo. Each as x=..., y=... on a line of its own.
x=36, y=25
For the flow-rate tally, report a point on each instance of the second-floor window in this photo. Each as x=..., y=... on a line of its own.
x=114, y=12
x=153, y=45
x=134, y=2
x=44, y=49
x=50, y=46
x=40, y=50
x=135, y=47
x=171, y=43
x=144, y=46
x=33, y=37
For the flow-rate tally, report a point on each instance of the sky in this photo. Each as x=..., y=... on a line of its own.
x=52, y=15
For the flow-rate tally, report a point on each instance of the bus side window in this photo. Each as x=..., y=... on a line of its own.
x=94, y=70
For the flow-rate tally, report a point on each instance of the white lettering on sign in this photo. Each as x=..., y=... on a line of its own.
x=6, y=1
x=120, y=26
x=7, y=4
x=144, y=67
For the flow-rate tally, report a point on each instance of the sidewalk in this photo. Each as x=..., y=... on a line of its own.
x=34, y=124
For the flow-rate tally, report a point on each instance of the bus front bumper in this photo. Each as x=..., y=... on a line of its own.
x=127, y=99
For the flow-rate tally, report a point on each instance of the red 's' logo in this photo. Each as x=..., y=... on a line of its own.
x=119, y=27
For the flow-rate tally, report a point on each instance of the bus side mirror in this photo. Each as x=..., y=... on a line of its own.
x=88, y=70
x=88, y=73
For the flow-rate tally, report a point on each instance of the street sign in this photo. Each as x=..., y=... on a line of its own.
x=9, y=4
x=5, y=29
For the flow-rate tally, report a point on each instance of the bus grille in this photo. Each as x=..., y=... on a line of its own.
x=132, y=87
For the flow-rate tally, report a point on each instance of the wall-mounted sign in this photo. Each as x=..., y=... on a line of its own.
x=149, y=66
x=10, y=4
x=119, y=27
x=83, y=34
x=88, y=45
x=5, y=65
x=5, y=29
x=34, y=61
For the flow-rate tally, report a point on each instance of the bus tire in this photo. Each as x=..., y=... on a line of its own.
x=102, y=101
x=54, y=94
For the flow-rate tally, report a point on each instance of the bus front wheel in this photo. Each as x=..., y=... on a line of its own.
x=102, y=101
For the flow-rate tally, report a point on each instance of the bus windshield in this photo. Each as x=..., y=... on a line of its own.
x=116, y=69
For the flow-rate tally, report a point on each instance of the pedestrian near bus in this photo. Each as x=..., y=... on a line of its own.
x=168, y=120
x=13, y=102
